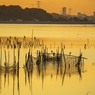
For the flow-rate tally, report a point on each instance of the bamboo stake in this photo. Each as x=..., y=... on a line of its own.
x=5, y=58
x=8, y=58
x=1, y=57
x=18, y=59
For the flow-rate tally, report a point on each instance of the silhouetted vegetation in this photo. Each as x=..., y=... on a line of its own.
x=16, y=13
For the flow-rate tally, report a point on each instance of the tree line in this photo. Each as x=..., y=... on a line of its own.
x=16, y=13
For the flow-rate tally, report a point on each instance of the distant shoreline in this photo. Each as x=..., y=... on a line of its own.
x=16, y=15
x=30, y=22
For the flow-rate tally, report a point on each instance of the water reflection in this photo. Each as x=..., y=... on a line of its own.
x=59, y=64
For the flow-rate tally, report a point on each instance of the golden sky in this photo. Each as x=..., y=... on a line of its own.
x=83, y=6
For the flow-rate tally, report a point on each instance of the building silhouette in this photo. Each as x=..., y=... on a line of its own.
x=64, y=11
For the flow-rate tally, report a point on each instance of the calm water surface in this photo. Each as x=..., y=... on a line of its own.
x=50, y=78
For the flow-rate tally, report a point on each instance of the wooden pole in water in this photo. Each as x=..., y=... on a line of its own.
x=1, y=57
x=25, y=58
x=5, y=58
x=64, y=57
x=18, y=59
x=64, y=67
x=42, y=76
x=13, y=83
x=62, y=52
x=0, y=82
x=18, y=87
x=8, y=58
x=8, y=67
x=14, y=59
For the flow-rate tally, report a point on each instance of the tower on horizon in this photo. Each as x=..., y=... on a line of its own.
x=64, y=11
x=38, y=4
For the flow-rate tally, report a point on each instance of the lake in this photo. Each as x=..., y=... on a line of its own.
x=52, y=78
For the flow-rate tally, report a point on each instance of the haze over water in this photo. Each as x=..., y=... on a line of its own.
x=50, y=79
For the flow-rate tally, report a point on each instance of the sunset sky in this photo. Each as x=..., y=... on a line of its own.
x=83, y=6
